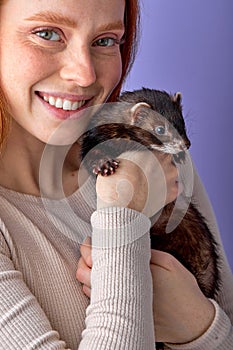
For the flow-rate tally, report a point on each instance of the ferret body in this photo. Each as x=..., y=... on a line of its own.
x=154, y=119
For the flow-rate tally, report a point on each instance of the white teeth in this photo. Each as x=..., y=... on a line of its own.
x=59, y=103
x=52, y=101
x=66, y=105
x=75, y=106
x=46, y=98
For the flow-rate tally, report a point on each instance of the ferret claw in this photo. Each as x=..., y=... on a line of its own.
x=105, y=167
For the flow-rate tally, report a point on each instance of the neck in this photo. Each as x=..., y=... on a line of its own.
x=29, y=166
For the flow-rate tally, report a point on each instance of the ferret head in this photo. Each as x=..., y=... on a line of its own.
x=162, y=135
x=160, y=113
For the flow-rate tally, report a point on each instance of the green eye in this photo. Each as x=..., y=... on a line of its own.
x=48, y=34
x=160, y=130
x=106, y=42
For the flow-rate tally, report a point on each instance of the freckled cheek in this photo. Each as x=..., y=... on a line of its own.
x=110, y=73
x=25, y=66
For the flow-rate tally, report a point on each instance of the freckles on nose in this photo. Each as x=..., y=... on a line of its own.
x=79, y=68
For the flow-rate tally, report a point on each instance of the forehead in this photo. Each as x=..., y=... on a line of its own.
x=76, y=12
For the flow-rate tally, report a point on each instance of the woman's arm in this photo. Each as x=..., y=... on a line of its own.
x=118, y=306
x=23, y=324
x=121, y=282
x=128, y=304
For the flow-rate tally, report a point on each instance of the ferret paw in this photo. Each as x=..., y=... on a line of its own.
x=106, y=167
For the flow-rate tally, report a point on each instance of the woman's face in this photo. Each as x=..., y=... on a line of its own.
x=58, y=57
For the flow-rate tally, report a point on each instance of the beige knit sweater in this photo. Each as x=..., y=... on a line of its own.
x=42, y=305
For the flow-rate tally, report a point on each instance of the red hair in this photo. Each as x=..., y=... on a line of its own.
x=129, y=48
x=4, y=120
x=128, y=52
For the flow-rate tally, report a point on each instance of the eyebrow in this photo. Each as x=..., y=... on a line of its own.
x=46, y=16
x=52, y=17
x=118, y=25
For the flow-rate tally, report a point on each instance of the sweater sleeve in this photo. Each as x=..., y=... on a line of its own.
x=120, y=313
x=23, y=324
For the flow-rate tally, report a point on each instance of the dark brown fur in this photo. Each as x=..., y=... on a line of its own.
x=191, y=242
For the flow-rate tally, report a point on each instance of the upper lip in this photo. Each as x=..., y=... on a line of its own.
x=65, y=96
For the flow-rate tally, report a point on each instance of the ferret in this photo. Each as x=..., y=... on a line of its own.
x=154, y=119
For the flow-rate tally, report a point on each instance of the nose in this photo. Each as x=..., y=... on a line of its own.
x=78, y=67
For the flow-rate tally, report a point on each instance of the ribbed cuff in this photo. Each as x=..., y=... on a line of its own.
x=115, y=227
x=215, y=335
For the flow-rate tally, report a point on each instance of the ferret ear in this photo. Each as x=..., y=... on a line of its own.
x=177, y=98
x=136, y=110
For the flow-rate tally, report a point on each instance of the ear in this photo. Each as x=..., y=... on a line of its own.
x=177, y=98
x=136, y=110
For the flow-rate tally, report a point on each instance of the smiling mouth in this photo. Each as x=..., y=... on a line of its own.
x=62, y=103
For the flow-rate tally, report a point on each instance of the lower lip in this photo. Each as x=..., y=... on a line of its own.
x=61, y=114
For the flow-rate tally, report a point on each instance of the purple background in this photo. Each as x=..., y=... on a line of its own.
x=186, y=45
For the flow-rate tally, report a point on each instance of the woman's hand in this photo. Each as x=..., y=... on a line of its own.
x=144, y=181
x=84, y=267
x=181, y=312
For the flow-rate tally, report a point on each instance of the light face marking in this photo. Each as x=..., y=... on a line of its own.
x=171, y=148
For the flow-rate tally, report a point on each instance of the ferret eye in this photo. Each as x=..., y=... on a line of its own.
x=160, y=130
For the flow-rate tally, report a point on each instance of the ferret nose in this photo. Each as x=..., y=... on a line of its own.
x=187, y=143
x=180, y=145
x=184, y=144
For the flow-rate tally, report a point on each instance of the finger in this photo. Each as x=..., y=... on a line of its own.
x=87, y=291
x=83, y=273
x=166, y=261
x=85, y=249
x=163, y=259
